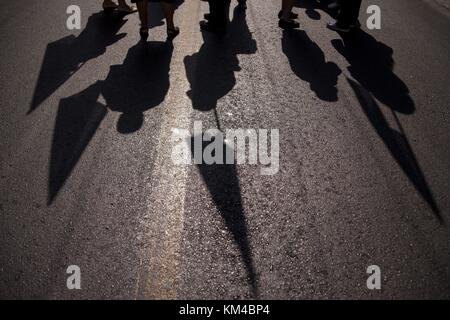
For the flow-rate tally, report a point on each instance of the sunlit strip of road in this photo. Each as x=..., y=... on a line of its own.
x=166, y=202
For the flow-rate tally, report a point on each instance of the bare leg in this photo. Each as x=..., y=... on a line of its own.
x=143, y=14
x=287, y=9
x=168, y=13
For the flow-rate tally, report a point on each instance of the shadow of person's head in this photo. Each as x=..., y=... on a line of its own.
x=140, y=83
x=372, y=65
x=211, y=71
x=307, y=61
x=130, y=122
x=64, y=57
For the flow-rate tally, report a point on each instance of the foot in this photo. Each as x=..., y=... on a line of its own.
x=292, y=15
x=288, y=24
x=143, y=32
x=211, y=27
x=109, y=6
x=126, y=9
x=336, y=26
x=172, y=33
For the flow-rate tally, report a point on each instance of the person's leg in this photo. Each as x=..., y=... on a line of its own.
x=286, y=8
x=143, y=13
x=168, y=14
x=286, y=17
x=216, y=20
x=222, y=12
x=169, y=10
x=143, y=17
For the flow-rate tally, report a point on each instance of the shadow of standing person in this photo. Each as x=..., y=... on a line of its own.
x=371, y=67
x=308, y=63
x=140, y=83
x=211, y=74
x=211, y=71
x=63, y=58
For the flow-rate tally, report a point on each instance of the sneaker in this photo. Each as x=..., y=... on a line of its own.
x=288, y=24
x=335, y=26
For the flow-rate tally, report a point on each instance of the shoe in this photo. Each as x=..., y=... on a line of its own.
x=335, y=26
x=172, y=33
x=292, y=15
x=212, y=27
x=109, y=7
x=288, y=24
x=126, y=9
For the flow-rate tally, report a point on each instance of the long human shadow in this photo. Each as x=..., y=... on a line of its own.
x=211, y=71
x=140, y=83
x=308, y=63
x=371, y=67
x=223, y=183
x=64, y=57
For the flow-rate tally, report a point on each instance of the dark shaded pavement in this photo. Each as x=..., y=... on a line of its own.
x=364, y=157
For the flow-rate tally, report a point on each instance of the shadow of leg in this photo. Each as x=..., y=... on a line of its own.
x=223, y=184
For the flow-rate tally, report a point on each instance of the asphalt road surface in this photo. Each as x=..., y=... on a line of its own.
x=86, y=176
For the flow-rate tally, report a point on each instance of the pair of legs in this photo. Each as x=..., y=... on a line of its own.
x=168, y=10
